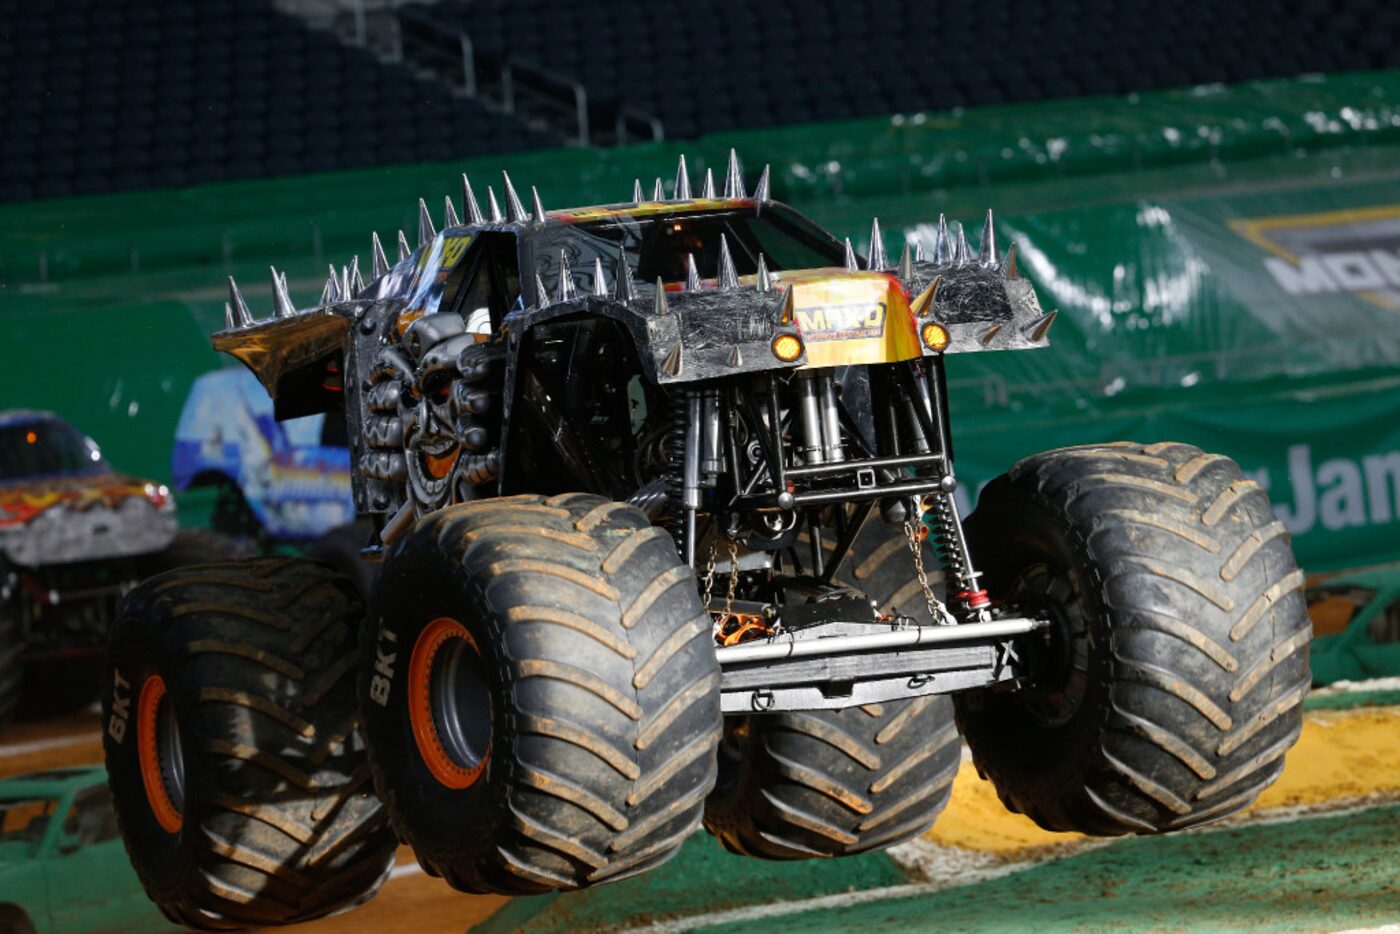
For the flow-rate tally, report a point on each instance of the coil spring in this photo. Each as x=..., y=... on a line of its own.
x=674, y=518
x=946, y=539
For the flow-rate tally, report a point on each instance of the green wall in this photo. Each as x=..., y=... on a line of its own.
x=1148, y=222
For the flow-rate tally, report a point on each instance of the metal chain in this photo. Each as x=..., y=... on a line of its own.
x=709, y=576
x=911, y=535
x=733, y=578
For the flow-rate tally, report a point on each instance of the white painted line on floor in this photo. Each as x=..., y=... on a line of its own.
x=40, y=745
x=1383, y=929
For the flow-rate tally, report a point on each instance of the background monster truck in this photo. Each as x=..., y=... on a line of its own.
x=74, y=536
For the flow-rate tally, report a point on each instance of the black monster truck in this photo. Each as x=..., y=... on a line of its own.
x=650, y=483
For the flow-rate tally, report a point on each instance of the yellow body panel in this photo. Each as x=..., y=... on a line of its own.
x=849, y=318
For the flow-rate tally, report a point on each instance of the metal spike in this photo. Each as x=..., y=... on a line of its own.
x=709, y=190
x=624, y=289
x=538, y=214
x=541, y=294
x=987, y=254
x=906, y=262
x=762, y=280
x=659, y=303
x=599, y=289
x=941, y=243
x=242, y=317
x=449, y=214
x=682, y=192
x=379, y=263
x=877, y=259
x=495, y=216
x=1036, y=330
x=637, y=191
x=736, y=359
x=658, y=193
x=567, y=293
x=332, y=285
x=354, y=282
x=924, y=303
x=692, y=275
x=425, y=224
x=1009, y=268
x=345, y=293
x=760, y=191
x=964, y=254
x=515, y=209
x=851, y=264
x=469, y=202
x=987, y=335
x=282, y=306
x=733, y=177
x=229, y=323
x=327, y=293
x=283, y=277
x=783, y=306
x=728, y=276
x=671, y=366
x=404, y=251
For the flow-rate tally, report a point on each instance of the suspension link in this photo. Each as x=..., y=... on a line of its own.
x=951, y=548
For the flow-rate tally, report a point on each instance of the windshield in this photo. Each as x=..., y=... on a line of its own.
x=1332, y=609
x=44, y=447
x=23, y=820
x=659, y=245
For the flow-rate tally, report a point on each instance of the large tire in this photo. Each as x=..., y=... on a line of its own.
x=825, y=783
x=1172, y=683
x=542, y=696
x=340, y=548
x=243, y=793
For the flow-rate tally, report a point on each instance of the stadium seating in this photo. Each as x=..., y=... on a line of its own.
x=103, y=95
x=707, y=65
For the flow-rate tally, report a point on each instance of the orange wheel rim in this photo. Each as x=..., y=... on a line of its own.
x=154, y=760
x=445, y=695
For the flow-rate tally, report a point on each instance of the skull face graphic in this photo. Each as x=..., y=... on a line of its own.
x=431, y=447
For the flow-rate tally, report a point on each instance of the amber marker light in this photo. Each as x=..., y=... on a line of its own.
x=933, y=336
x=787, y=347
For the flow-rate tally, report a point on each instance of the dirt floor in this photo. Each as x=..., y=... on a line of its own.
x=1317, y=853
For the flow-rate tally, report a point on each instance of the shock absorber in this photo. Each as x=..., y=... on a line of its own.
x=950, y=547
x=675, y=446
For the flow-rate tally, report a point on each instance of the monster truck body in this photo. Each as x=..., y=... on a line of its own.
x=663, y=492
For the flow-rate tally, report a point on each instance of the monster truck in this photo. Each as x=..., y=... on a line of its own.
x=650, y=484
x=74, y=537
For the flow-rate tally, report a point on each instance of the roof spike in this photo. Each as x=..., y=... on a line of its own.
x=760, y=191
x=733, y=177
x=658, y=193
x=425, y=223
x=404, y=251
x=987, y=254
x=283, y=277
x=671, y=366
x=495, y=216
x=229, y=323
x=624, y=289
x=941, y=244
x=709, y=190
x=600, y=290
x=449, y=214
x=1036, y=330
x=964, y=254
x=637, y=197
x=345, y=294
x=470, y=204
x=919, y=256
x=682, y=192
x=783, y=306
x=906, y=262
x=282, y=306
x=567, y=293
x=762, y=281
x=728, y=277
x=692, y=275
x=327, y=292
x=1008, y=264
x=538, y=212
x=736, y=359
x=924, y=303
x=332, y=292
x=988, y=335
x=239, y=312
x=515, y=209
x=877, y=259
x=851, y=264
x=354, y=282
x=659, y=303
x=541, y=293
x=379, y=263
